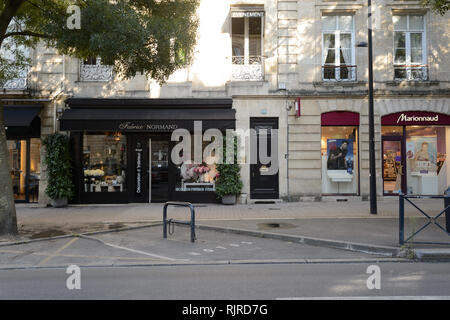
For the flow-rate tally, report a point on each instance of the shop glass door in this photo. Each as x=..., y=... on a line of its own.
x=159, y=170
x=394, y=180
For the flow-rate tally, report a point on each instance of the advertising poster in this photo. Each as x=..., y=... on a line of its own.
x=340, y=154
x=422, y=154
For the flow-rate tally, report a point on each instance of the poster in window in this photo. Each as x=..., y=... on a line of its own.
x=422, y=154
x=340, y=154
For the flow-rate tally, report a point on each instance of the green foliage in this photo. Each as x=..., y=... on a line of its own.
x=59, y=168
x=229, y=181
x=153, y=37
x=438, y=6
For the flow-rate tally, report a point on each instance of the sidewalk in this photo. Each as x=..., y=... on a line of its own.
x=343, y=223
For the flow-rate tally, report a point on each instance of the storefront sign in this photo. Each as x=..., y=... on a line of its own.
x=415, y=118
x=147, y=127
x=138, y=169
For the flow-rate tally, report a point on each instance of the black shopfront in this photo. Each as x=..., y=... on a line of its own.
x=121, y=148
x=23, y=132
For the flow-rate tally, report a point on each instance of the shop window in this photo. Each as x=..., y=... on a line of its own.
x=392, y=130
x=338, y=54
x=197, y=177
x=339, y=147
x=427, y=163
x=25, y=163
x=410, y=48
x=104, y=162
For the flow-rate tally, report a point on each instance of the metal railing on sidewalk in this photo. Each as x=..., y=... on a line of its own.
x=431, y=220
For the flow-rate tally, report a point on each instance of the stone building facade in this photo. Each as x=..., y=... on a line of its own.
x=294, y=66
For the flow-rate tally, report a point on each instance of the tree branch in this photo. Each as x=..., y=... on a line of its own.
x=25, y=33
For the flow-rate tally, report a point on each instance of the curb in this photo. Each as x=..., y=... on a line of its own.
x=441, y=255
x=336, y=244
x=219, y=263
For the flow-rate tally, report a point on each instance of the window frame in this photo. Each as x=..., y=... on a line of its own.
x=246, y=55
x=408, y=64
x=337, y=57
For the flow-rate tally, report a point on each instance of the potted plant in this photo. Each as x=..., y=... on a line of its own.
x=228, y=180
x=59, y=169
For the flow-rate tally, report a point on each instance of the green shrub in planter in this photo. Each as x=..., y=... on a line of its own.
x=59, y=169
x=229, y=180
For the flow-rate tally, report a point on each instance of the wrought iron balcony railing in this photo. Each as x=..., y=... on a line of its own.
x=249, y=68
x=411, y=72
x=339, y=73
x=95, y=72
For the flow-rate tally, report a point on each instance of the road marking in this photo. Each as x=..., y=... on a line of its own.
x=131, y=250
x=208, y=250
x=233, y=245
x=219, y=247
x=57, y=252
x=195, y=254
x=246, y=242
x=370, y=298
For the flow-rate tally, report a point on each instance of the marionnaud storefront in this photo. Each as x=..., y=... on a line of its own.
x=121, y=148
x=415, y=147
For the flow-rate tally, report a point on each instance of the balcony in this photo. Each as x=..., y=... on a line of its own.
x=411, y=72
x=19, y=83
x=251, y=70
x=331, y=73
x=93, y=70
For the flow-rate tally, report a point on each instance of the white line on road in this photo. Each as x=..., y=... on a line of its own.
x=370, y=298
x=131, y=250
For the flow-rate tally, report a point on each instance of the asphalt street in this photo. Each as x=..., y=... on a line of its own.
x=246, y=281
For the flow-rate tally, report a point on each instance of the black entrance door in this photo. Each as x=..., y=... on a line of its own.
x=263, y=186
x=149, y=172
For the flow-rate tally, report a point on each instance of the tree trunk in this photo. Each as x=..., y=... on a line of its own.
x=8, y=219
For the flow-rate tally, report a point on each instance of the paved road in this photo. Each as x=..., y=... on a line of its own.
x=269, y=281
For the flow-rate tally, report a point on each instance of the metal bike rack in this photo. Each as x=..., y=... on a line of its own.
x=190, y=223
x=431, y=220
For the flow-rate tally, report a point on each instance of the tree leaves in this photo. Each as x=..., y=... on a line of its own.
x=132, y=35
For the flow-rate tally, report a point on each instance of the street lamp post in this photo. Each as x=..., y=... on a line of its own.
x=372, y=168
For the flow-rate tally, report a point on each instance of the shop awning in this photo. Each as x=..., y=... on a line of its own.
x=20, y=116
x=145, y=120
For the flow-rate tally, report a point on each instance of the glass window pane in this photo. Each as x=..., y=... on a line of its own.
x=255, y=37
x=238, y=40
x=400, y=56
x=400, y=22
x=346, y=40
x=339, y=150
x=35, y=169
x=416, y=56
x=400, y=40
x=330, y=57
x=346, y=56
x=18, y=162
x=254, y=26
x=328, y=22
x=328, y=41
x=416, y=40
x=345, y=23
x=416, y=23
x=391, y=130
x=426, y=155
x=104, y=162
x=198, y=177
